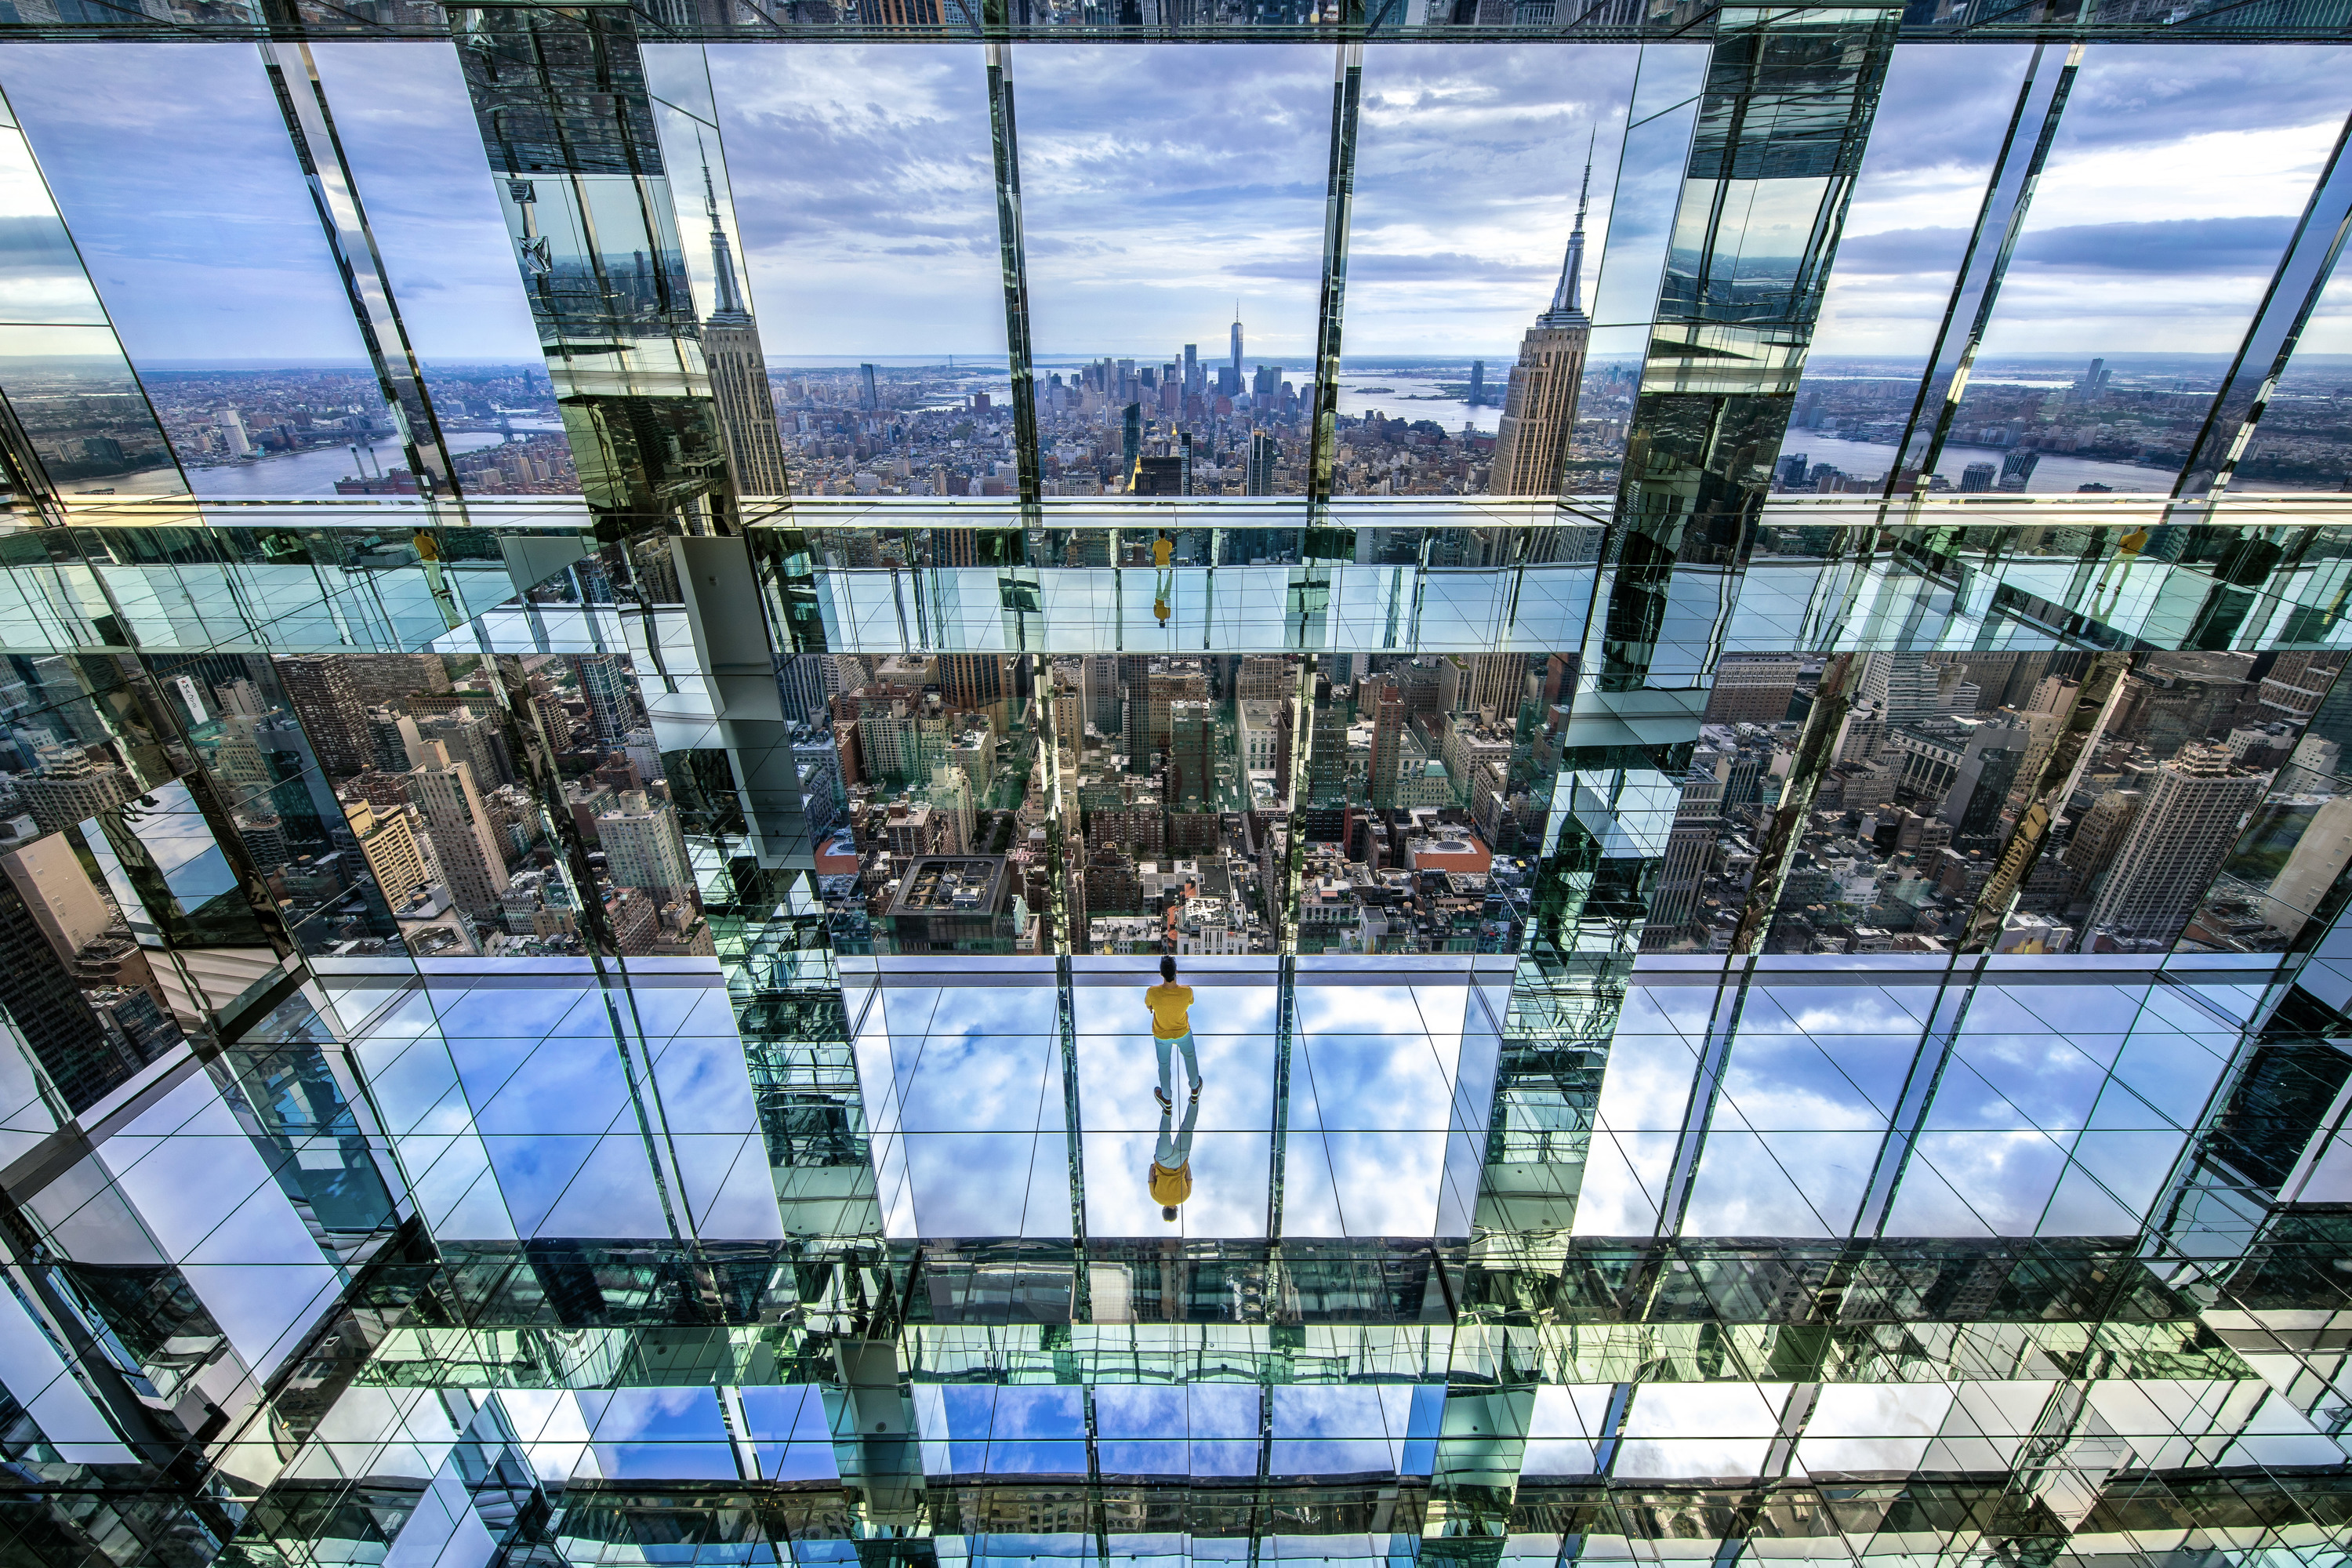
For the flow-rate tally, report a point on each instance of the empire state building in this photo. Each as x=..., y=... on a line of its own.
x=738, y=373
x=1540, y=406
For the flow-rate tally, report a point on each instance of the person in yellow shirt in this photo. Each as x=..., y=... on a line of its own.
x=1163, y=587
x=1172, y=1025
x=1171, y=1182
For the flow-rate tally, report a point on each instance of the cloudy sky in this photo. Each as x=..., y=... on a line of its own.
x=1161, y=184
x=2176, y=176
x=172, y=164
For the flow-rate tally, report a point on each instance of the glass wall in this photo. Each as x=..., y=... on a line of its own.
x=1174, y=271
x=174, y=170
x=862, y=181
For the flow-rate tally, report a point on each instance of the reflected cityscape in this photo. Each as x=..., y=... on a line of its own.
x=668, y=898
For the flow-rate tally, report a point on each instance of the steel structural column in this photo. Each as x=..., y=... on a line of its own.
x=1788, y=102
x=1339, y=206
x=567, y=124
x=1012, y=259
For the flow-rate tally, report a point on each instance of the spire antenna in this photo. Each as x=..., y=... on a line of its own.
x=730, y=305
x=1567, y=299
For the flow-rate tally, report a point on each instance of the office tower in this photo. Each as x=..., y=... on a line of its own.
x=1264, y=450
x=1690, y=852
x=1192, y=369
x=231, y=425
x=643, y=850
x=476, y=739
x=387, y=679
x=1168, y=682
x=800, y=677
x=48, y=1009
x=1265, y=678
x=1977, y=476
x=463, y=842
x=2319, y=858
x=1236, y=366
x=1753, y=689
x=2185, y=827
x=58, y=893
x=389, y=845
x=1906, y=688
x=1131, y=439
x=973, y=681
x=1388, y=742
x=67, y=785
x=611, y=706
x=1099, y=676
x=1538, y=420
x=739, y=371
x=394, y=744
x=1192, y=757
x=331, y=710
x=1477, y=381
x=869, y=398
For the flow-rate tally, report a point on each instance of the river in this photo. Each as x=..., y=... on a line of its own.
x=301, y=475
x=1414, y=397
x=2056, y=473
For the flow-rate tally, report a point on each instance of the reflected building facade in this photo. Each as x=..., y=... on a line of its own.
x=1531, y=442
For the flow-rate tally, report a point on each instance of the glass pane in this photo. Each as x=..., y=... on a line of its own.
x=409, y=134
x=2175, y=180
x=1468, y=161
x=863, y=183
x=1193, y=260
x=1649, y=186
x=174, y=172
x=1938, y=130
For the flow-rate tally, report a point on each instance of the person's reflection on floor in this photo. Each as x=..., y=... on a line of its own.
x=1165, y=579
x=1171, y=1026
x=1172, y=1162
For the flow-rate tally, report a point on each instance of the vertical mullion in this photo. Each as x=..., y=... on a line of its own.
x=1013, y=256
x=1339, y=204
x=2041, y=102
x=302, y=99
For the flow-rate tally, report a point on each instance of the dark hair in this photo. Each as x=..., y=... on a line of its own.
x=1167, y=969
x=1167, y=1213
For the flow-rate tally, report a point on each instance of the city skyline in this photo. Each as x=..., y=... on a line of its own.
x=1456, y=152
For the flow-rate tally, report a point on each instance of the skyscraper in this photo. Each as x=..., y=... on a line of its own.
x=332, y=713
x=1263, y=452
x=1540, y=405
x=605, y=683
x=2187, y=824
x=739, y=372
x=1388, y=742
x=643, y=850
x=973, y=680
x=1237, y=341
x=463, y=840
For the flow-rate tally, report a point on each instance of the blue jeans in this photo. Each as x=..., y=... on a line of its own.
x=1182, y=1042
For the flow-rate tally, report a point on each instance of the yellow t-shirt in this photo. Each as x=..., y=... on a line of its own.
x=1168, y=1187
x=1172, y=1008
x=1161, y=551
